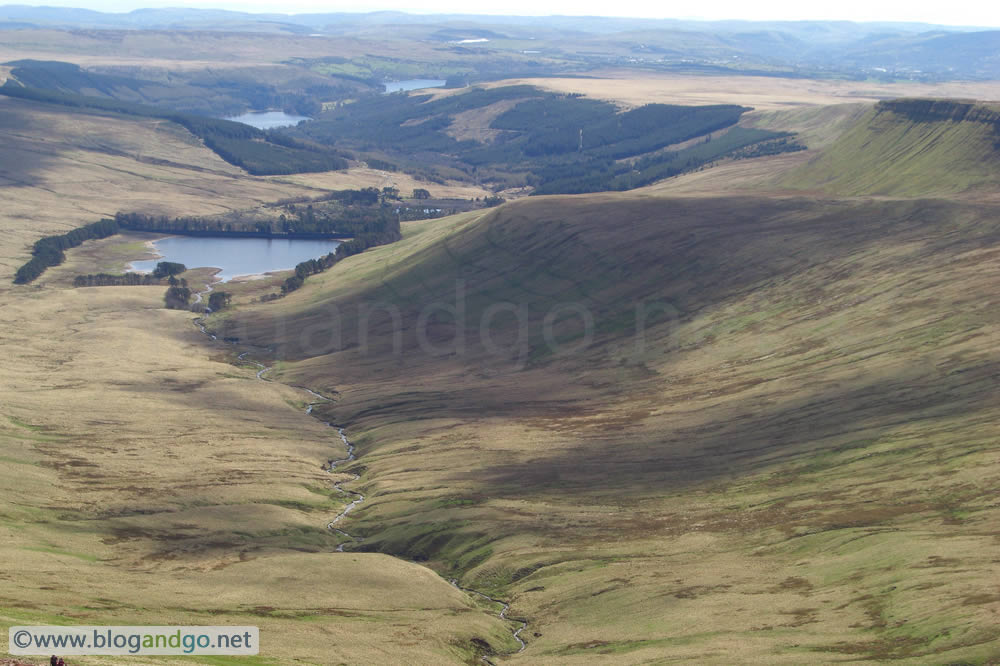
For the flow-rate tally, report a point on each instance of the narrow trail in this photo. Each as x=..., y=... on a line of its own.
x=331, y=467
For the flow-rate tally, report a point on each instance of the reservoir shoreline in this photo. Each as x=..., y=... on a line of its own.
x=234, y=256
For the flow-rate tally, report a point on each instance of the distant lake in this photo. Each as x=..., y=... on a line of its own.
x=413, y=84
x=268, y=119
x=236, y=256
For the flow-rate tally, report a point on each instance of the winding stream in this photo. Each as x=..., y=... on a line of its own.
x=502, y=615
x=332, y=465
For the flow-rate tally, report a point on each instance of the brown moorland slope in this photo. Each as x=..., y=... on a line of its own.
x=794, y=459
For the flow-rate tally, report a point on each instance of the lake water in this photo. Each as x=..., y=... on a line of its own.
x=268, y=119
x=413, y=84
x=236, y=256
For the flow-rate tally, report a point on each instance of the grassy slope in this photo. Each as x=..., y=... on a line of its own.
x=215, y=515
x=144, y=479
x=801, y=466
x=889, y=153
x=629, y=88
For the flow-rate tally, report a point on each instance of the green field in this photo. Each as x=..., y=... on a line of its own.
x=896, y=151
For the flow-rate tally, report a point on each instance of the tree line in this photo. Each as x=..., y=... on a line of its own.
x=178, y=294
x=552, y=142
x=357, y=214
x=50, y=250
x=356, y=245
x=112, y=280
x=164, y=269
x=260, y=152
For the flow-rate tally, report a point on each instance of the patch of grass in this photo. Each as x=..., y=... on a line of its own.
x=24, y=424
x=892, y=153
x=59, y=551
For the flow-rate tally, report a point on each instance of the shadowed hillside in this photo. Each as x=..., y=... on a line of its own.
x=910, y=147
x=797, y=448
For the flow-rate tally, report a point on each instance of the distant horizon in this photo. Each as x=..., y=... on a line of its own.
x=773, y=11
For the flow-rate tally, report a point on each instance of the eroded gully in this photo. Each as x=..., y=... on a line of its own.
x=331, y=467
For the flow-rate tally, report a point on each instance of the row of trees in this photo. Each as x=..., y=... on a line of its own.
x=111, y=280
x=356, y=245
x=260, y=152
x=347, y=213
x=50, y=250
x=164, y=269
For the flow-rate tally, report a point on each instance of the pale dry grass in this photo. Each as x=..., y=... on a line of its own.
x=359, y=177
x=146, y=483
x=474, y=124
x=630, y=89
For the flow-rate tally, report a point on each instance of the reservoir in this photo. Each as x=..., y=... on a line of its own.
x=269, y=119
x=413, y=84
x=236, y=256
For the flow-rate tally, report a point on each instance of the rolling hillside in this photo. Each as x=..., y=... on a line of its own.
x=680, y=406
x=910, y=147
x=794, y=457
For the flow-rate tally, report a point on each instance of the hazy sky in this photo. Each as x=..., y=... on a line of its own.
x=962, y=13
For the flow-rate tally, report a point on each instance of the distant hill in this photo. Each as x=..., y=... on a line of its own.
x=910, y=147
x=976, y=55
x=207, y=92
x=879, y=49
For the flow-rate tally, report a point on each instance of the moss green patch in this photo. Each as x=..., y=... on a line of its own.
x=59, y=551
x=218, y=660
x=24, y=424
x=890, y=152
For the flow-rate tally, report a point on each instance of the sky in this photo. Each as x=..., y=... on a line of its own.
x=962, y=13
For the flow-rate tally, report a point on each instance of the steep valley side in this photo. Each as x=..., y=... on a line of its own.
x=795, y=455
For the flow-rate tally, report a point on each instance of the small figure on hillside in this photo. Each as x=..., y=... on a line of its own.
x=54, y=661
x=60, y=662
